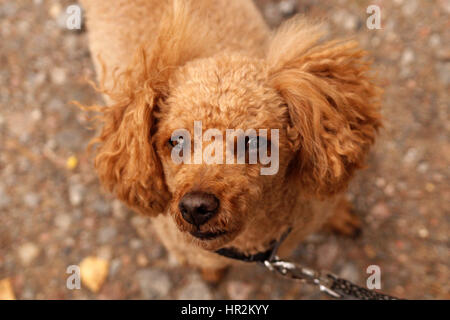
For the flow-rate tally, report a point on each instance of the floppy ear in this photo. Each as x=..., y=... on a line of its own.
x=332, y=101
x=126, y=160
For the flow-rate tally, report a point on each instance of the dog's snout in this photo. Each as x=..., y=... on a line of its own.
x=198, y=207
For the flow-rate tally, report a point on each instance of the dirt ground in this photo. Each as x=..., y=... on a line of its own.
x=53, y=213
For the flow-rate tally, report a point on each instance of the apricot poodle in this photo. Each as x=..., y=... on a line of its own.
x=163, y=65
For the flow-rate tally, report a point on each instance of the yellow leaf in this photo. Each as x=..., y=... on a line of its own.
x=94, y=272
x=71, y=162
x=6, y=291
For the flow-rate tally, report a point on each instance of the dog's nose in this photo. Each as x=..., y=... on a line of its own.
x=198, y=207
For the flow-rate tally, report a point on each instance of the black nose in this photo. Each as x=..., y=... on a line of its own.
x=198, y=207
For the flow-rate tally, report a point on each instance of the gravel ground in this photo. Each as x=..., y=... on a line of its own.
x=53, y=213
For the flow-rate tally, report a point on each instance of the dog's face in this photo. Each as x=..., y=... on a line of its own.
x=318, y=97
x=212, y=201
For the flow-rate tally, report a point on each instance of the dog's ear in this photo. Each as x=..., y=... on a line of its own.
x=332, y=102
x=126, y=160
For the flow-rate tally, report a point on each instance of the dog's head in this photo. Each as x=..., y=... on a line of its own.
x=319, y=98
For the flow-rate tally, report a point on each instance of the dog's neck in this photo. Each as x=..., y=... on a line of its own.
x=262, y=256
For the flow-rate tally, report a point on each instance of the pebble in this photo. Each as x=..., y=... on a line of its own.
x=36, y=115
x=409, y=7
x=138, y=221
x=288, y=7
x=32, y=200
x=70, y=43
x=23, y=27
x=135, y=244
x=423, y=167
x=28, y=252
x=23, y=165
x=105, y=252
x=196, y=289
x=56, y=105
x=76, y=194
x=94, y=272
x=389, y=190
x=4, y=198
x=327, y=254
x=380, y=211
x=273, y=14
x=238, y=290
x=350, y=272
x=370, y=251
x=157, y=251
x=63, y=221
x=430, y=187
x=434, y=40
x=141, y=260
x=380, y=182
x=8, y=8
x=423, y=233
x=346, y=19
x=154, y=283
x=172, y=261
x=88, y=222
x=27, y=294
x=443, y=54
x=408, y=57
x=445, y=5
x=51, y=144
x=58, y=75
x=352, y=23
x=411, y=156
x=102, y=207
x=443, y=70
x=375, y=41
x=118, y=210
x=113, y=291
x=55, y=10
x=114, y=266
x=106, y=234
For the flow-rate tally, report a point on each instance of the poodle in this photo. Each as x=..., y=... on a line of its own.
x=163, y=65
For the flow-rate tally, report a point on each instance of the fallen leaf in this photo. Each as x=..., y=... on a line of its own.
x=71, y=162
x=94, y=272
x=6, y=291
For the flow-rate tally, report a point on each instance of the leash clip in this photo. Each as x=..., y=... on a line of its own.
x=294, y=271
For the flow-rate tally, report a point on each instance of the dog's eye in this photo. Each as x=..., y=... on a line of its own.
x=173, y=143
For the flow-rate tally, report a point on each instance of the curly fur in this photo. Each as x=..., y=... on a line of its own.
x=216, y=61
x=332, y=104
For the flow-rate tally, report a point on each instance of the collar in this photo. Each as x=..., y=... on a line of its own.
x=267, y=255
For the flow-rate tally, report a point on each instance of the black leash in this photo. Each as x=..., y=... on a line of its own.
x=327, y=282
